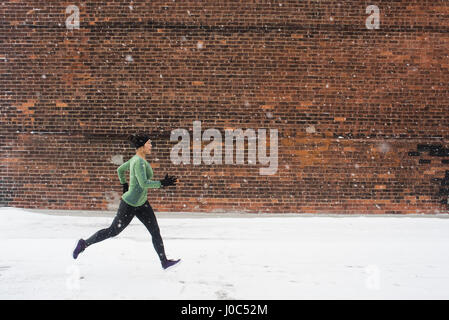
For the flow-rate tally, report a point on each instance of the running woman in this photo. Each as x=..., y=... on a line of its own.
x=134, y=200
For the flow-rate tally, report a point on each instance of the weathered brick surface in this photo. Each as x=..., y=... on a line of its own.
x=351, y=105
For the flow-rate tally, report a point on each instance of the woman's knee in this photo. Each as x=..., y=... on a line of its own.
x=114, y=231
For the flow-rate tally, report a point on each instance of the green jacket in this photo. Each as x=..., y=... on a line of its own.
x=139, y=180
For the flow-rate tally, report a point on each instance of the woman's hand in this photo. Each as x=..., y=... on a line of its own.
x=168, y=181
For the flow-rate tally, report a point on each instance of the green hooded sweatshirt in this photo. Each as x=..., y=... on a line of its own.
x=139, y=180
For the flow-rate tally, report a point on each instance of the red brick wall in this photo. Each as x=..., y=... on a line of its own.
x=359, y=112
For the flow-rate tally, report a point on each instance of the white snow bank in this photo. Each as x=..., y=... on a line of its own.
x=226, y=258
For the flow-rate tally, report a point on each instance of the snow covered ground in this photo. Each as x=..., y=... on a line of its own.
x=236, y=257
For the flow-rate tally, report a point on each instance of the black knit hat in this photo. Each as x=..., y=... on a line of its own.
x=138, y=140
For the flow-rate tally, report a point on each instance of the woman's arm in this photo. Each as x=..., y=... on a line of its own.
x=141, y=175
x=121, y=171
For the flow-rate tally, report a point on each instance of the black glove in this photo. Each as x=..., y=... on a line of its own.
x=168, y=181
x=125, y=187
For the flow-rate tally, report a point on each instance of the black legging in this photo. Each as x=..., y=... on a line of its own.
x=124, y=216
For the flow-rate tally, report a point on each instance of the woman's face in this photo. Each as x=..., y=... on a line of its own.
x=147, y=147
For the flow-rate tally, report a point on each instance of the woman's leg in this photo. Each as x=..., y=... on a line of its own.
x=124, y=216
x=146, y=215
